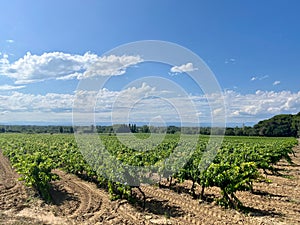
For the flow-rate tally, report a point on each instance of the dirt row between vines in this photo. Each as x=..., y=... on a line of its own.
x=80, y=202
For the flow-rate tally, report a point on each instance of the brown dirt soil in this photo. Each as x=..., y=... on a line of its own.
x=80, y=202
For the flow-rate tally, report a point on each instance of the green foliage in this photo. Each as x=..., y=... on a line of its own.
x=234, y=168
x=236, y=165
x=279, y=126
x=34, y=166
x=231, y=178
x=118, y=190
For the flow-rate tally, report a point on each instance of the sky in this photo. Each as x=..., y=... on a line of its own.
x=58, y=58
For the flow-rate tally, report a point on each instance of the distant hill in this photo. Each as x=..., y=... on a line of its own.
x=284, y=125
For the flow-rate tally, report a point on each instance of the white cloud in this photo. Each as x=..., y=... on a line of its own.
x=230, y=61
x=10, y=41
x=59, y=65
x=183, y=68
x=6, y=87
x=264, y=77
x=145, y=103
x=70, y=76
x=4, y=60
x=20, y=102
x=259, y=77
x=3, y=112
x=277, y=82
x=111, y=65
x=261, y=104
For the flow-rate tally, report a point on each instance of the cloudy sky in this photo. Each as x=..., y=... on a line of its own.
x=49, y=49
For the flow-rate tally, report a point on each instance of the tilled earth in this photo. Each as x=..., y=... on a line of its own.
x=80, y=202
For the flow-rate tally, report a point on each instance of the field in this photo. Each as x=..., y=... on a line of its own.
x=44, y=179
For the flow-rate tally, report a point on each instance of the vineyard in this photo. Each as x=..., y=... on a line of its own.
x=239, y=165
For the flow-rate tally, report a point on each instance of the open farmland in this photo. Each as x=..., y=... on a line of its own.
x=251, y=181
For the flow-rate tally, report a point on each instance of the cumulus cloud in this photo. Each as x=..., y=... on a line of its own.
x=23, y=102
x=261, y=104
x=145, y=102
x=10, y=41
x=54, y=102
x=59, y=65
x=183, y=68
x=4, y=60
x=277, y=82
x=6, y=87
x=111, y=65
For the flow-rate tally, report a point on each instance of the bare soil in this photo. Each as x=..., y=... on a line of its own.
x=80, y=202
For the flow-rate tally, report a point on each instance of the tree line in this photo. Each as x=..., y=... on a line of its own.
x=284, y=125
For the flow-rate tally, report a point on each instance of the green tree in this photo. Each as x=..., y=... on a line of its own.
x=145, y=129
x=61, y=129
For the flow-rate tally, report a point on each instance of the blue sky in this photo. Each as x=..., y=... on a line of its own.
x=47, y=47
